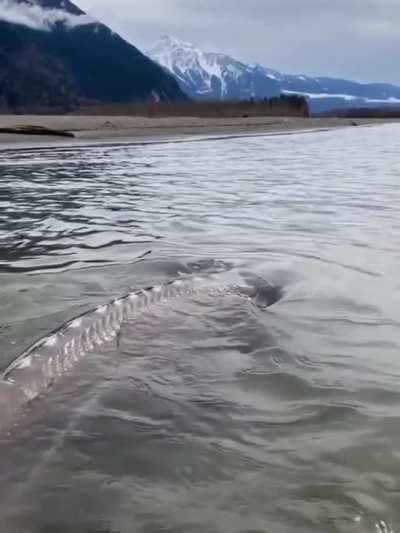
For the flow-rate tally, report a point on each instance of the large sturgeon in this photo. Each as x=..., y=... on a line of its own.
x=36, y=369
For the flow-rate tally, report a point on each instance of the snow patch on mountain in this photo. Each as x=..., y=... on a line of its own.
x=207, y=76
x=348, y=97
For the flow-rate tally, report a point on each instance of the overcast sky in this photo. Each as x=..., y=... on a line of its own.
x=355, y=39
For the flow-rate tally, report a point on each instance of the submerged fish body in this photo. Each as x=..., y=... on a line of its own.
x=51, y=357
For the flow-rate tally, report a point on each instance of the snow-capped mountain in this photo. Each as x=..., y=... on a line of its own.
x=208, y=76
x=212, y=76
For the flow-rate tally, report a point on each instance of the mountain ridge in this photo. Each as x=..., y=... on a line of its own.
x=53, y=56
x=207, y=75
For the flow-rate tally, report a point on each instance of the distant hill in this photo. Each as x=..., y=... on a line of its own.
x=386, y=112
x=209, y=76
x=54, y=56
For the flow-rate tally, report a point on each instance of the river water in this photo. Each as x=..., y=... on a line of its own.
x=209, y=414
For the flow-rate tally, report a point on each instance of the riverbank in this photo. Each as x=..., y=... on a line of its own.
x=115, y=129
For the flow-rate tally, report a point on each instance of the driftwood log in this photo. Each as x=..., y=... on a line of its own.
x=36, y=130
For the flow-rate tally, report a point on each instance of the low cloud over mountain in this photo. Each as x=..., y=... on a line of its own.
x=53, y=56
x=35, y=16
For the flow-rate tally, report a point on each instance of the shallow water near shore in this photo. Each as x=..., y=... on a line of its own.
x=208, y=413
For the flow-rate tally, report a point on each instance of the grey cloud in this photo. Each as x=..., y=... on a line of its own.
x=356, y=39
x=35, y=17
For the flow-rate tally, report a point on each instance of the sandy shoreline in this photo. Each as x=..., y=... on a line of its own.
x=120, y=129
